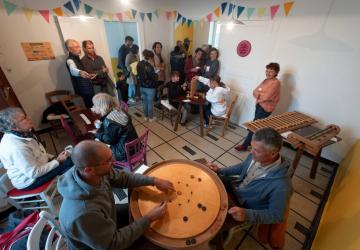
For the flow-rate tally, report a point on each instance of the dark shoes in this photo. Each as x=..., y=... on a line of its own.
x=240, y=148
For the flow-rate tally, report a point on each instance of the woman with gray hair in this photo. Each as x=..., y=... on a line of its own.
x=23, y=156
x=116, y=127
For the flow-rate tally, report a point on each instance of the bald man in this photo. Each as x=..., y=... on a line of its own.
x=88, y=214
x=80, y=79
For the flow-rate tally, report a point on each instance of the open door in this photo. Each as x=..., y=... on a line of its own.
x=7, y=95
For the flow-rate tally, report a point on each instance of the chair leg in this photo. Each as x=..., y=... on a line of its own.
x=209, y=125
x=171, y=118
x=224, y=127
x=49, y=202
x=163, y=111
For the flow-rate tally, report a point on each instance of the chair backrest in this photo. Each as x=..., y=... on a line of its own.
x=55, y=239
x=69, y=131
x=73, y=103
x=124, y=106
x=55, y=96
x=231, y=106
x=136, y=150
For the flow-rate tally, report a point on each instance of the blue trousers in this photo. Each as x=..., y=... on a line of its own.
x=260, y=113
x=148, y=95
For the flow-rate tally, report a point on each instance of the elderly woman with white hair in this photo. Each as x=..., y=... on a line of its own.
x=23, y=156
x=116, y=127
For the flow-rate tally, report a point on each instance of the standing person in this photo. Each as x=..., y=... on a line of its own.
x=94, y=64
x=123, y=51
x=122, y=88
x=88, y=215
x=206, y=48
x=79, y=77
x=177, y=62
x=147, y=78
x=132, y=57
x=186, y=45
x=267, y=96
x=194, y=64
x=159, y=65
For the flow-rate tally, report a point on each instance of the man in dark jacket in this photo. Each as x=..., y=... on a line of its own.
x=177, y=62
x=123, y=51
x=261, y=183
x=88, y=214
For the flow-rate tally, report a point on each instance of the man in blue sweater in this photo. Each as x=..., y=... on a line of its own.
x=260, y=183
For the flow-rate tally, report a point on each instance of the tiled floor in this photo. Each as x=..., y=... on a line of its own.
x=186, y=143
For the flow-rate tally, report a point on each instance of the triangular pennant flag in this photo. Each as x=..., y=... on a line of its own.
x=287, y=7
x=149, y=15
x=273, y=10
x=77, y=4
x=231, y=8
x=88, y=9
x=223, y=7
x=209, y=17
x=45, y=14
x=201, y=23
x=261, y=12
x=240, y=10
x=142, y=16
x=128, y=14
x=110, y=16
x=168, y=15
x=183, y=21
x=217, y=11
x=58, y=11
x=9, y=7
x=189, y=22
x=119, y=16
x=250, y=12
x=178, y=17
x=69, y=7
x=28, y=13
x=174, y=13
x=133, y=12
x=99, y=13
x=156, y=13
x=195, y=24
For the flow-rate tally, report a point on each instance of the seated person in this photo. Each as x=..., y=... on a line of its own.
x=176, y=89
x=116, y=127
x=122, y=88
x=88, y=215
x=25, y=159
x=260, y=183
x=216, y=97
x=194, y=64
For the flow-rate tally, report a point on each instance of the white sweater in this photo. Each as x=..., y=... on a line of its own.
x=214, y=96
x=25, y=159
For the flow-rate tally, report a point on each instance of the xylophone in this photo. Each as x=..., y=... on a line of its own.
x=304, y=136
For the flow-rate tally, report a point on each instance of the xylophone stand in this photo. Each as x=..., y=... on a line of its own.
x=315, y=164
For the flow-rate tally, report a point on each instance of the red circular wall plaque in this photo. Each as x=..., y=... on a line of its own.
x=244, y=48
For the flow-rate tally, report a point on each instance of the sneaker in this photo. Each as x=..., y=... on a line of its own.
x=131, y=101
x=152, y=119
x=146, y=119
x=240, y=148
x=206, y=125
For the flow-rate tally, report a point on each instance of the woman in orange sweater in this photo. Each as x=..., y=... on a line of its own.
x=267, y=96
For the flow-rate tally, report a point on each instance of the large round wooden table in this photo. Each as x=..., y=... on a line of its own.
x=195, y=212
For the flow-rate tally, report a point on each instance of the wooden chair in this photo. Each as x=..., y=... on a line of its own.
x=73, y=103
x=54, y=97
x=222, y=121
x=166, y=108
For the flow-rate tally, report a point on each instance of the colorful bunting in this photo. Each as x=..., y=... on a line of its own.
x=178, y=17
x=99, y=13
x=133, y=13
x=28, y=13
x=88, y=9
x=77, y=4
x=287, y=7
x=273, y=10
x=209, y=17
x=142, y=16
x=195, y=23
x=119, y=16
x=250, y=12
x=223, y=7
x=189, y=22
x=110, y=16
x=58, y=11
x=174, y=13
x=69, y=7
x=45, y=14
x=156, y=13
x=183, y=21
x=128, y=14
x=231, y=8
x=261, y=12
x=168, y=15
x=9, y=7
x=149, y=15
x=240, y=10
x=217, y=11
x=201, y=23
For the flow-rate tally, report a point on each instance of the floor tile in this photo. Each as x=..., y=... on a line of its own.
x=167, y=152
x=306, y=189
x=319, y=181
x=228, y=160
x=216, y=139
x=190, y=151
x=160, y=130
x=229, y=135
x=297, y=226
x=153, y=139
x=291, y=243
x=303, y=206
x=152, y=158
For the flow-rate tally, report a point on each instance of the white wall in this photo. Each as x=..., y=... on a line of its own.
x=201, y=35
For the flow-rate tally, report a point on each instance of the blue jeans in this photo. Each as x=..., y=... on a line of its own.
x=148, y=95
x=59, y=170
x=260, y=113
x=131, y=91
x=207, y=113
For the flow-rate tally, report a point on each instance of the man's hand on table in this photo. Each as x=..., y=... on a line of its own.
x=238, y=213
x=163, y=185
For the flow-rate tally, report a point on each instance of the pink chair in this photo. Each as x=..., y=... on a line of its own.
x=124, y=106
x=70, y=132
x=135, y=153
